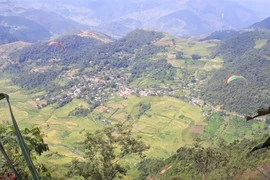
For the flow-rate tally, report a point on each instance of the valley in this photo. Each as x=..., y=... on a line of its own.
x=153, y=85
x=135, y=89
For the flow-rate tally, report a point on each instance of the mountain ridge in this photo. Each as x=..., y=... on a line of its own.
x=120, y=18
x=264, y=24
x=19, y=28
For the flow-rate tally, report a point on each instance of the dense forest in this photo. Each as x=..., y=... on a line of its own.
x=246, y=54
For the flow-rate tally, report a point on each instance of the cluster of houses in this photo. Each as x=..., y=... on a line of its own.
x=125, y=92
x=97, y=88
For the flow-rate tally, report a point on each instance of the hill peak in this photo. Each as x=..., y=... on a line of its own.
x=96, y=35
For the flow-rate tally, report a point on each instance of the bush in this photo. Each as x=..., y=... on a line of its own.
x=196, y=56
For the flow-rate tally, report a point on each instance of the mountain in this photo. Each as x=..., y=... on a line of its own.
x=258, y=6
x=246, y=54
x=182, y=18
x=222, y=35
x=264, y=24
x=185, y=19
x=14, y=28
x=47, y=20
x=114, y=29
x=52, y=21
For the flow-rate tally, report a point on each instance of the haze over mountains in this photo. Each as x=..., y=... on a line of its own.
x=118, y=17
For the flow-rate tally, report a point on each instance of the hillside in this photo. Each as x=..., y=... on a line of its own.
x=264, y=24
x=13, y=28
x=221, y=35
x=187, y=20
x=246, y=54
x=228, y=161
x=52, y=21
x=40, y=22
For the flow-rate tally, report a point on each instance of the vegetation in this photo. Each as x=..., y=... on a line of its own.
x=35, y=144
x=104, y=152
x=264, y=24
x=106, y=66
x=240, y=57
x=222, y=35
x=179, y=55
x=195, y=56
x=5, y=36
x=141, y=82
x=80, y=111
x=219, y=161
x=226, y=161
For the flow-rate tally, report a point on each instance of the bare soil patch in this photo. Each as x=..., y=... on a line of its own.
x=197, y=129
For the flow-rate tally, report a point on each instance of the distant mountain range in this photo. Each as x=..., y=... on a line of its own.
x=14, y=28
x=229, y=33
x=117, y=17
x=23, y=22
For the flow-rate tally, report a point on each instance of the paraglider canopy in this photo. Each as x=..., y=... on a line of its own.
x=57, y=43
x=233, y=77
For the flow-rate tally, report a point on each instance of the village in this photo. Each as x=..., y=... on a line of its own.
x=98, y=88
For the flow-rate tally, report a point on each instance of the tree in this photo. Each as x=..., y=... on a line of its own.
x=35, y=145
x=195, y=56
x=32, y=141
x=104, y=151
x=261, y=112
x=173, y=41
x=179, y=55
x=208, y=159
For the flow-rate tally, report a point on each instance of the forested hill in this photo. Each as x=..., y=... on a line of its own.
x=89, y=57
x=75, y=45
x=222, y=35
x=246, y=54
x=264, y=24
x=227, y=161
x=82, y=47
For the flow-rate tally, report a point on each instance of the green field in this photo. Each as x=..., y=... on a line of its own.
x=162, y=125
x=165, y=126
x=260, y=43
